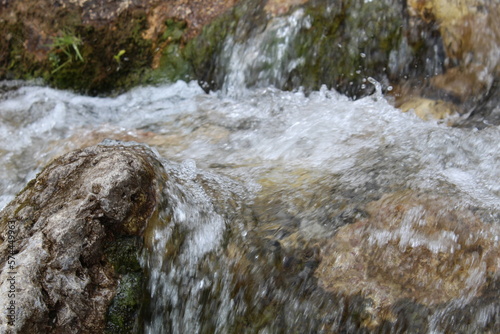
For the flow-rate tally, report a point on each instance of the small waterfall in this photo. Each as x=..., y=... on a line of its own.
x=317, y=43
x=265, y=59
x=188, y=233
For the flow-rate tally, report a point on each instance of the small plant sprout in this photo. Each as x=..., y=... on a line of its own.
x=118, y=56
x=65, y=48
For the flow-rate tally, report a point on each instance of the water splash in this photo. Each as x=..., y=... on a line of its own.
x=312, y=162
x=191, y=226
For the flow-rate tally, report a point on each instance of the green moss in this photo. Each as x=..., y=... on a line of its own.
x=17, y=63
x=173, y=64
x=100, y=72
x=21, y=55
x=81, y=57
x=123, y=314
x=123, y=255
x=202, y=52
x=346, y=44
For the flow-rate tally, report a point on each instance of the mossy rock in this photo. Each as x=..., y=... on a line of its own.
x=205, y=52
x=172, y=64
x=341, y=46
x=102, y=70
x=345, y=44
x=123, y=255
x=123, y=313
x=111, y=58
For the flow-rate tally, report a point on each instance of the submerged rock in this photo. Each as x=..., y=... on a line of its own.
x=415, y=249
x=311, y=253
x=60, y=234
x=428, y=109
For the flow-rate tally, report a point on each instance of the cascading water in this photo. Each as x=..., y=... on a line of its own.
x=264, y=59
x=189, y=229
x=310, y=163
x=287, y=212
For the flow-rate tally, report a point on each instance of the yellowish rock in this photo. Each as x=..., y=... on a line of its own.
x=280, y=7
x=428, y=109
x=471, y=39
x=444, y=10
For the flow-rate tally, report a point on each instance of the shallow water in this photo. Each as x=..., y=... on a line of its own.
x=246, y=135
x=257, y=148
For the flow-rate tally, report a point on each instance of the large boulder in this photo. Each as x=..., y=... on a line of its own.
x=70, y=241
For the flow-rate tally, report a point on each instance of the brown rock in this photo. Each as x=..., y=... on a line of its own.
x=471, y=37
x=280, y=7
x=428, y=109
x=416, y=247
x=55, y=232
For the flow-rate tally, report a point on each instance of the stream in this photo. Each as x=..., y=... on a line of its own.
x=288, y=211
x=312, y=164
x=245, y=137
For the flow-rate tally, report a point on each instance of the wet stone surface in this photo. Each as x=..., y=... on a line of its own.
x=78, y=206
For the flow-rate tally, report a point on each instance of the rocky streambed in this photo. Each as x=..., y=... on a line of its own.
x=114, y=238
x=259, y=179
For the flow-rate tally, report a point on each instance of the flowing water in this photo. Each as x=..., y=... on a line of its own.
x=245, y=136
x=310, y=161
x=285, y=211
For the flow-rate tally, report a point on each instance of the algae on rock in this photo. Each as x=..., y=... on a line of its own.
x=338, y=44
x=347, y=44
